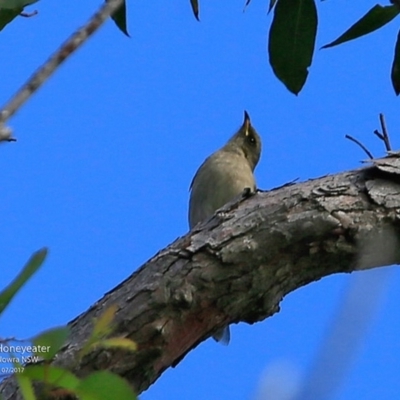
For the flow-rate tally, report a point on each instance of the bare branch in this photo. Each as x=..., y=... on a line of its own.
x=238, y=267
x=66, y=49
x=383, y=136
x=369, y=154
x=385, y=133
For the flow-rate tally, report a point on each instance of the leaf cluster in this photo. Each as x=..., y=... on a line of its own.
x=293, y=33
x=100, y=385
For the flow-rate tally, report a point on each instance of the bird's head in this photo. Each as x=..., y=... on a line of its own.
x=247, y=141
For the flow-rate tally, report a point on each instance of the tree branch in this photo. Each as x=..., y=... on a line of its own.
x=44, y=72
x=239, y=265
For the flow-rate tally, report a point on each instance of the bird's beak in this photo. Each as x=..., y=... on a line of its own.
x=246, y=122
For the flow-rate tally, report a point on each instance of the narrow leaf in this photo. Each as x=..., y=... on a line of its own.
x=6, y=16
x=104, y=385
x=292, y=41
x=271, y=5
x=195, y=8
x=396, y=67
x=52, y=375
x=103, y=324
x=102, y=327
x=374, y=19
x=10, y=4
x=30, y=268
x=118, y=342
x=9, y=9
x=49, y=342
x=26, y=387
x=119, y=17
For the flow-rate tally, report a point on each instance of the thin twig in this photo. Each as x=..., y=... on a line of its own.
x=385, y=133
x=369, y=154
x=11, y=339
x=245, y=6
x=66, y=49
x=380, y=136
x=28, y=15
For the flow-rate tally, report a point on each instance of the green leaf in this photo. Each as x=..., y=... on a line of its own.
x=374, y=19
x=104, y=385
x=6, y=16
x=103, y=324
x=10, y=4
x=102, y=327
x=52, y=375
x=292, y=41
x=48, y=343
x=25, y=386
x=195, y=8
x=119, y=17
x=118, y=342
x=396, y=67
x=9, y=9
x=30, y=268
x=271, y=5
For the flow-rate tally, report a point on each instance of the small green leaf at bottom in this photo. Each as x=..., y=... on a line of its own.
x=26, y=387
x=49, y=342
x=104, y=385
x=29, y=269
x=51, y=375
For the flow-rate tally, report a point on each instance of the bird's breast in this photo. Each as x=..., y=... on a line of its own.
x=220, y=179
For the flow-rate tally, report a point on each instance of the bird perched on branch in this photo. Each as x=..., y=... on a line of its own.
x=223, y=176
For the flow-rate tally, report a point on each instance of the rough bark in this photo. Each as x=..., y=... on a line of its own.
x=239, y=265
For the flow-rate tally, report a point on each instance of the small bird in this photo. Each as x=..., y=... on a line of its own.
x=223, y=176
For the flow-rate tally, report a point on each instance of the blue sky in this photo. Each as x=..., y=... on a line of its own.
x=108, y=146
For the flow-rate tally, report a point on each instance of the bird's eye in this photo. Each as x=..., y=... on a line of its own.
x=251, y=139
